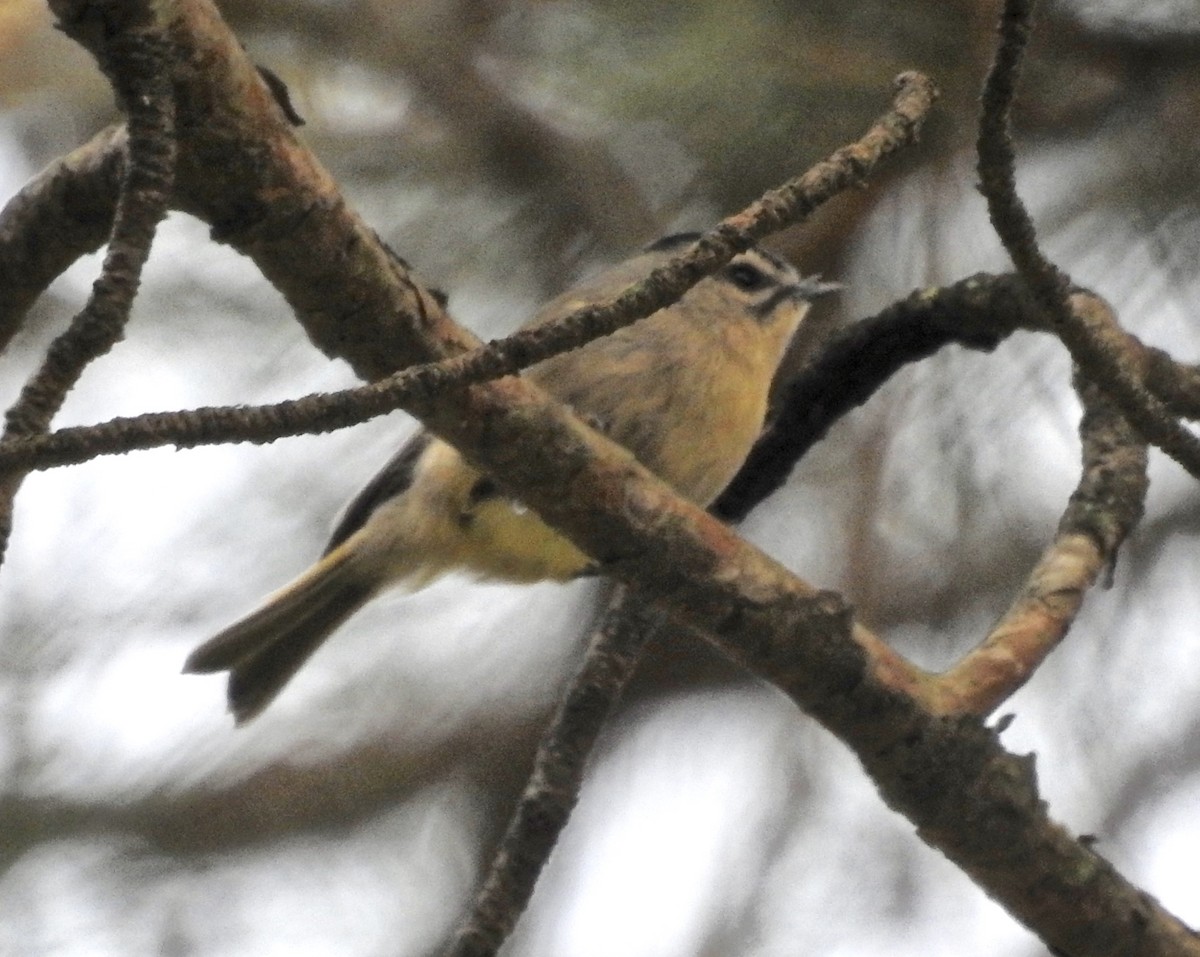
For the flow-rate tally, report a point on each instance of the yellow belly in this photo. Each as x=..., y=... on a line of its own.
x=440, y=524
x=506, y=540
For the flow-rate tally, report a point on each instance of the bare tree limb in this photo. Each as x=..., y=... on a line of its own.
x=136, y=58
x=969, y=798
x=788, y=204
x=1099, y=358
x=978, y=313
x=613, y=652
x=1105, y=506
x=64, y=212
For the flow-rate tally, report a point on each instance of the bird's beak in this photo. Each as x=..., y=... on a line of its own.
x=811, y=287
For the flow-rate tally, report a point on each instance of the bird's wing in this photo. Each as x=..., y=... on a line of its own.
x=392, y=480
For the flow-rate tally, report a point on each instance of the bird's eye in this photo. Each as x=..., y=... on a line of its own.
x=747, y=277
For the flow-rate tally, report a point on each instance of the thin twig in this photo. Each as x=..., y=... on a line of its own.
x=612, y=655
x=977, y=313
x=138, y=67
x=1104, y=508
x=63, y=213
x=788, y=204
x=1098, y=359
x=976, y=803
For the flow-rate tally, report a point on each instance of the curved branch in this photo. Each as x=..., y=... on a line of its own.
x=1099, y=359
x=63, y=213
x=136, y=57
x=976, y=313
x=1103, y=509
x=969, y=798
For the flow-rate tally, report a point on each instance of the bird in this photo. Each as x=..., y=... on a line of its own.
x=685, y=390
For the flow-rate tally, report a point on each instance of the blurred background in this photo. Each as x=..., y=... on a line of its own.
x=507, y=147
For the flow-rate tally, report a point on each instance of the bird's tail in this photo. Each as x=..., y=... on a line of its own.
x=265, y=649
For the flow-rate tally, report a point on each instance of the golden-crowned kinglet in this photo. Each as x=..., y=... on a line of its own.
x=684, y=390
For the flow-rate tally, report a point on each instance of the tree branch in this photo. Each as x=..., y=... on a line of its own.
x=786, y=205
x=1100, y=359
x=977, y=313
x=136, y=58
x=63, y=213
x=1103, y=509
x=969, y=798
x=612, y=655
